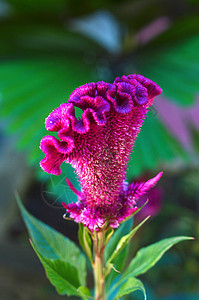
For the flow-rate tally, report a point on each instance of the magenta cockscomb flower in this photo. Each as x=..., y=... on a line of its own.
x=98, y=146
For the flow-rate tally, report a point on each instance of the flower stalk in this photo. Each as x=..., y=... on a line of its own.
x=98, y=264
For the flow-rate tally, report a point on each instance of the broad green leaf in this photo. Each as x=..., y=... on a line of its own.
x=47, y=82
x=148, y=256
x=53, y=245
x=62, y=275
x=131, y=285
x=175, y=67
x=85, y=292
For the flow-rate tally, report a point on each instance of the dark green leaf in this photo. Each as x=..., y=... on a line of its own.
x=131, y=285
x=175, y=68
x=30, y=91
x=121, y=245
x=62, y=275
x=54, y=246
x=147, y=257
x=119, y=262
x=85, y=292
x=123, y=229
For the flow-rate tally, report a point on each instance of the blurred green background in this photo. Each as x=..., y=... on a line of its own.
x=47, y=49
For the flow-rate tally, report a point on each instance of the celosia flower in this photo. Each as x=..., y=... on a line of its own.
x=98, y=146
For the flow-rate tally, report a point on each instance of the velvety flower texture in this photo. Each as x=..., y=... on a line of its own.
x=98, y=146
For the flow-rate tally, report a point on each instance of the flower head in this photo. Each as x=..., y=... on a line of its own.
x=98, y=146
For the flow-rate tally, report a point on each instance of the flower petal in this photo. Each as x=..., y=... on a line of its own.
x=137, y=189
x=56, y=152
x=58, y=118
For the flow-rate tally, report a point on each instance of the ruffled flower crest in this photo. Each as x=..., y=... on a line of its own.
x=98, y=145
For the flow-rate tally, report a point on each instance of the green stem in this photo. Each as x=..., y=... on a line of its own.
x=98, y=265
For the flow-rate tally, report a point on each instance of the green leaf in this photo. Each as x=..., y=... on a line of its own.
x=175, y=52
x=180, y=63
x=62, y=275
x=131, y=285
x=123, y=229
x=53, y=245
x=147, y=257
x=85, y=292
x=85, y=241
x=119, y=262
x=172, y=61
x=25, y=106
x=122, y=243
